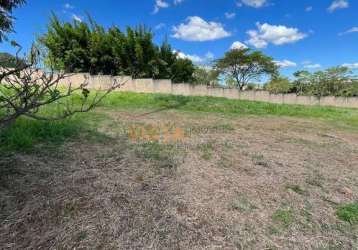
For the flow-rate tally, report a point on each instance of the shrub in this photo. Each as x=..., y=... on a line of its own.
x=279, y=85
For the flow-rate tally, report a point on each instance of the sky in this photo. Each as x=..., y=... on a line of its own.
x=298, y=34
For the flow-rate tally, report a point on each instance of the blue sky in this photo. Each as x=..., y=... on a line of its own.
x=311, y=34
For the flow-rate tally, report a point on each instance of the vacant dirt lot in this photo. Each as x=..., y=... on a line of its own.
x=229, y=182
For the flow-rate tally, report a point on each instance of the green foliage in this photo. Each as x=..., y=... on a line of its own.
x=244, y=65
x=206, y=76
x=279, y=85
x=251, y=86
x=182, y=71
x=6, y=18
x=348, y=213
x=9, y=61
x=302, y=84
x=230, y=81
x=88, y=47
x=349, y=90
x=336, y=81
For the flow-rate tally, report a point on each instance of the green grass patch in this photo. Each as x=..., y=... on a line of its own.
x=341, y=116
x=25, y=133
x=283, y=217
x=348, y=213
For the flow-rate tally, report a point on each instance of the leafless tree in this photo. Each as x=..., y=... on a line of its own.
x=25, y=88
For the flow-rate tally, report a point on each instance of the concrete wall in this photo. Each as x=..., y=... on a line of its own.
x=167, y=87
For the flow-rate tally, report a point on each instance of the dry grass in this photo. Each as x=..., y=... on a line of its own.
x=230, y=183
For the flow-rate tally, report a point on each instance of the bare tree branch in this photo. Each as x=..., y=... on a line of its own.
x=25, y=89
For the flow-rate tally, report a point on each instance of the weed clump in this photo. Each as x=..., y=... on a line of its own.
x=284, y=217
x=25, y=133
x=162, y=155
x=348, y=213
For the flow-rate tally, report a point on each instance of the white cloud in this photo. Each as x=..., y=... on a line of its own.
x=338, y=4
x=351, y=65
x=275, y=34
x=160, y=4
x=159, y=26
x=176, y=2
x=252, y=3
x=238, y=45
x=351, y=30
x=195, y=58
x=77, y=18
x=308, y=8
x=230, y=15
x=312, y=66
x=285, y=63
x=68, y=6
x=197, y=29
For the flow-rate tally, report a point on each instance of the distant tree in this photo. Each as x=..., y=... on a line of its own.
x=350, y=90
x=9, y=61
x=336, y=81
x=6, y=18
x=252, y=86
x=243, y=66
x=166, y=58
x=206, y=76
x=230, y=81
x=331, y=81
x=303, y=82
x=88, y=47
x=279, y=85
x=182, y=71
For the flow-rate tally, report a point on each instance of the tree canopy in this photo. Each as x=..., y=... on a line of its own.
x=279, y=85
x=89, y=47
x=336, y=81
x=9, y=61
x=206, y=76
x=6, y=18
x=244, y=65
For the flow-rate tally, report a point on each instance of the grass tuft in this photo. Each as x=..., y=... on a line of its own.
x=284, y=217
x=164, y=156
x=348, y=213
